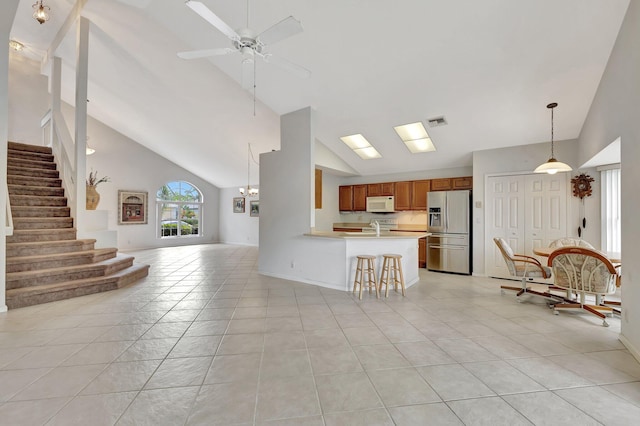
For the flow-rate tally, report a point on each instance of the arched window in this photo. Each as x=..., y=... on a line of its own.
x=179, y=206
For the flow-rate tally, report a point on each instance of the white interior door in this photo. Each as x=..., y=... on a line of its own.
x=527, y=211
x=505, y=197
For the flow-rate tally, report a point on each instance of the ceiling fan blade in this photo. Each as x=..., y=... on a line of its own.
x=248, y=74
x=287, y=65
x=196, y=54
x=213, y=19
x=286, y=28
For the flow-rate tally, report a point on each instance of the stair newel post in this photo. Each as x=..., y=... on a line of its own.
x=80, y=163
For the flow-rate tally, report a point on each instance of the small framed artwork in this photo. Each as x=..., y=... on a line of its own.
x=132, y=207
x=238, y=205
x=254, y=208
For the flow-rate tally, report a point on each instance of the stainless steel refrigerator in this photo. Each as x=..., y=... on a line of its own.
x=449, y=221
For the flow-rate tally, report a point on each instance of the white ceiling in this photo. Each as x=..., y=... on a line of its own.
x=490, y=67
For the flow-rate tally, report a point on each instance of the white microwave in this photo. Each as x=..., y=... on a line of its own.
x=384, y=204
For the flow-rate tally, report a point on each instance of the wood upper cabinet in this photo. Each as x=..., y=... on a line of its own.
x=345, y=201
x=403, y=192
x=380, y=189
x=359, y=198
x=441, y=184
x=462, y=182
x=419, y=199
x=318, y=189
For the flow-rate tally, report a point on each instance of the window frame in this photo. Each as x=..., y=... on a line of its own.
x=178, y=205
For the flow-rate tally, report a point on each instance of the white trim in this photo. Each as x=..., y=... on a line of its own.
x=608, y=167
x=627, y=344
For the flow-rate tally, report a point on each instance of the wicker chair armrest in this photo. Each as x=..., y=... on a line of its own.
x=529, y=259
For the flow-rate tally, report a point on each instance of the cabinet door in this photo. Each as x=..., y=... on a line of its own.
x=359, y=198
x=387, y=188
x=422, y=252
x=462, y=183
x=420, y=189
x=374, y=189
x=441, y=184
x=318, y=189
x=345, y=200
x=403, y=195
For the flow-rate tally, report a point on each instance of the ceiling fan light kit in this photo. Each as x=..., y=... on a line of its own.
x=552, y=166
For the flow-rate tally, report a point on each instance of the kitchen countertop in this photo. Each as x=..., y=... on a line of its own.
x=370, y=235
x=400, y=227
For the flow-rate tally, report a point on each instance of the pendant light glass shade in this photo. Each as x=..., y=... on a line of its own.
x=552, y=166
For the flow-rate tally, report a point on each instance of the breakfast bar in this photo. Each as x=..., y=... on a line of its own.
x=352, y=244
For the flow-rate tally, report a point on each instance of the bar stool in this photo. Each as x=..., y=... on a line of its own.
x=391, y=273
x=370, y=271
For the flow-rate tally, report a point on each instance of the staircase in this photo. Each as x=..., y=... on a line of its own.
x=45, y=261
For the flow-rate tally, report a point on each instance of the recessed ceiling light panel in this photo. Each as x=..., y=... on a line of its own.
x=415, y=137
x=355, y=141
x=368, y=153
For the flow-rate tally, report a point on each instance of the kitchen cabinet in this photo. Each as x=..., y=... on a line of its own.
x=318, y=189
x=422, y=252
x=345, y=201
x=403, y=192
x=419, y=194
x=441, y=184
x=380, y=189
x=338, y=229
x=462, y=183
x=359, y=198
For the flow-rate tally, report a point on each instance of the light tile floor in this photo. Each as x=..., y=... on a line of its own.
x=205, y=340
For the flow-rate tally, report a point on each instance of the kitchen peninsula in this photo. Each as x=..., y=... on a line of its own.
x=341, y=249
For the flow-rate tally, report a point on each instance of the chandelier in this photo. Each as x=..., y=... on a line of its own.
x=552, y=166
x=248, y=191
x=41, y=12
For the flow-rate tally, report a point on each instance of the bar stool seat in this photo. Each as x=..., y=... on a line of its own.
x=365, y=274
x=391, y=273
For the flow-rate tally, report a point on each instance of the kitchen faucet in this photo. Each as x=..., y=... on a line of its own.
x=375, y=224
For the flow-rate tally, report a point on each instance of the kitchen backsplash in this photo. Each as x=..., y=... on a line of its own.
x=404, y=218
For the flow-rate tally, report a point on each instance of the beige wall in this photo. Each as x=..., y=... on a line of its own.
x=613, y=114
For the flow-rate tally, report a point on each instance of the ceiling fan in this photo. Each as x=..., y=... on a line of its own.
x=248, y=44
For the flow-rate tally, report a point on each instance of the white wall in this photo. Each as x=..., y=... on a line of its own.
x=613, y=114
x=237, y=228
x=6, y=20
x=526, y=158
x=129, y=165
x=28, y=100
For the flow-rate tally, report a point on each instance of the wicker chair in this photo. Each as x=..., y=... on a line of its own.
x=570, y=242
x=524, y=267
x=584, y=271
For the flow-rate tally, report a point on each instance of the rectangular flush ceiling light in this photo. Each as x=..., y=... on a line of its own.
x=361, y=146
x=415, y=137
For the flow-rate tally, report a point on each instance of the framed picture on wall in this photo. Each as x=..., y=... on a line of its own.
x=238, y=205
x=132, y=207
x=254, y=208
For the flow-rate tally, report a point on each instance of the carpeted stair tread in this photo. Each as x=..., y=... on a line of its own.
x=36, y=235
x=59, y=260
x=34, y=181
x=42, y=222
x=40, y=211
x=31, y=163
x=17, y=298
x=18, y=146
x=49, y=247
x=43, y=191
x=26, y=171
x=68, y=273
x=31, y=156
x=37, y=201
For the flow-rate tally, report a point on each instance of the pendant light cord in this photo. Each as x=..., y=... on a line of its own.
x=552, y=156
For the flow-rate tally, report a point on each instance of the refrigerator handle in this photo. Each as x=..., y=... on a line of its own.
x=446, y=213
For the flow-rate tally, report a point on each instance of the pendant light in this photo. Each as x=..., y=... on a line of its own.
x=552, y=166
x=41, y=12
x=249, y=191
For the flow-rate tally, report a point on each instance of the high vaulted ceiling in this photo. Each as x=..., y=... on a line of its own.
x=489, y=66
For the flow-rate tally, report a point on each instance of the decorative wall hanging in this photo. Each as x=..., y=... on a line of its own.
x=132, y=207
x=582, y=189
x=254, y=208
x=238, y=205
